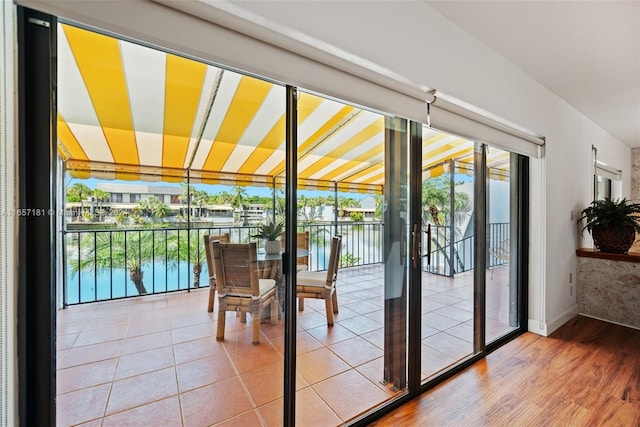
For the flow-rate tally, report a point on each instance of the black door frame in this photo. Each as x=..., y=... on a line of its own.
x=37, y=201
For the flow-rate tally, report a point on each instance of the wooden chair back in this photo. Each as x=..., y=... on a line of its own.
x=236, y=266
x=224, y=238
x=334, y=260
x=320, y=284
x=239, y=287
x=302, y=242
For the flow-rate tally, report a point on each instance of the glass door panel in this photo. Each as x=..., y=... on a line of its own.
x=347, y=362
x=215, y=138
x=501, y=278
x=448, y=231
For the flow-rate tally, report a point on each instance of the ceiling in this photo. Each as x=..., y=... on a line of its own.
x=586, y=52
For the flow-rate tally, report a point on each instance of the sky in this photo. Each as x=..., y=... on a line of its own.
x=251, y=191
x=209, y=188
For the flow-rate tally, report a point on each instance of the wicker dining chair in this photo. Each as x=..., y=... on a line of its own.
x=239, y=288
x=302, y=242
x=222, y=238
x=322, y=284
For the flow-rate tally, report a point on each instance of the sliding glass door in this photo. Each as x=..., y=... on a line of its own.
x=447, y=302
x=502, y=290
x=471, y=281
x=351, y=352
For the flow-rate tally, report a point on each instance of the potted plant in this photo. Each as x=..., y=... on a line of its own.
x=612, y=223
x=271, y=232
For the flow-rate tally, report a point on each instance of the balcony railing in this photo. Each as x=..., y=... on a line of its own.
x=104, y=264
x=447, y=260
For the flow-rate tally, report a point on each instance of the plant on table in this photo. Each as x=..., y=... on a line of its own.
x=613, y=224
x=270, y=232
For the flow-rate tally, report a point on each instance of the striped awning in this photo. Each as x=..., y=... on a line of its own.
x=130, y=112
x=442, y=151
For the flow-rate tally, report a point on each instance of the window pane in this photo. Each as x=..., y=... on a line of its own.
x=501, y=279
x=447, y=282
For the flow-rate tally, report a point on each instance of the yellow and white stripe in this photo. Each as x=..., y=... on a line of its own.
x=130, y=112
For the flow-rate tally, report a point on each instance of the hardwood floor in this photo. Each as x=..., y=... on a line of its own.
x=587, y=373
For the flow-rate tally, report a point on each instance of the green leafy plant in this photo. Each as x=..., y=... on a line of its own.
x=619, y=215
x=349, y=260
x=356, y=216
x=153, y=208
x=187, y=245
x=270, y=230
x=103, y=252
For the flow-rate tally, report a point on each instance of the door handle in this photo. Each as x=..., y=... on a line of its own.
x=429, y=244
x=416, y=255
x=415, y=235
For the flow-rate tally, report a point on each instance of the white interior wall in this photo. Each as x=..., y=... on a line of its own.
x=445, y=57
x=413, y=40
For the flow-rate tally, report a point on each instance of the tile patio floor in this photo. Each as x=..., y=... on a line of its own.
x=154, y=360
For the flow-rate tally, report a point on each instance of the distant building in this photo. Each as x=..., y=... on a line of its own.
x=326, y=213
x=253, y=213
x=126, y=197
x=368, y=214
x=134, y=193
x=368, y=203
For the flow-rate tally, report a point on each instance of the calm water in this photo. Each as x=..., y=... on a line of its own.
x=117, y=284
x=157, y=278
x=89, y=286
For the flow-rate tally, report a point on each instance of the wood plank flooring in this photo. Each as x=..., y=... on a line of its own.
x=587, y=373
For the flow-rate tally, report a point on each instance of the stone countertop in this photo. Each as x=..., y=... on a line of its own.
x=593, y=253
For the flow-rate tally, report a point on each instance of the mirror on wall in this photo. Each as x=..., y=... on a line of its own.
x=602, y=187
x=606, y=179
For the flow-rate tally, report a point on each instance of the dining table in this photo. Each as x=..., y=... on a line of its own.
x=269, y=263
x=269, y=267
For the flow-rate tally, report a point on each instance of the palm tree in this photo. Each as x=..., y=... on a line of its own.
x=185, y=245
x=154, y=208
x=303, y=201
x=280, y=211
x=310, y=215
x=239, y=194
x=435, y=197
x=186, y=196
x=462, y=211
x=200, y=197
x=101, y=196
x=436, y=193
x=122, y=217
x=222, y=198
x=347, y=202
x=77, y=193
x=103, y=251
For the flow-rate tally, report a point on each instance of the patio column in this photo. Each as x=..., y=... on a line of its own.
x=452, y=207
x=335, y=208
x=273, y=201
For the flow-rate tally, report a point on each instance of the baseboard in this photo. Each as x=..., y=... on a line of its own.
x=537, y=326
x=545, y=329
x=609, y=321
